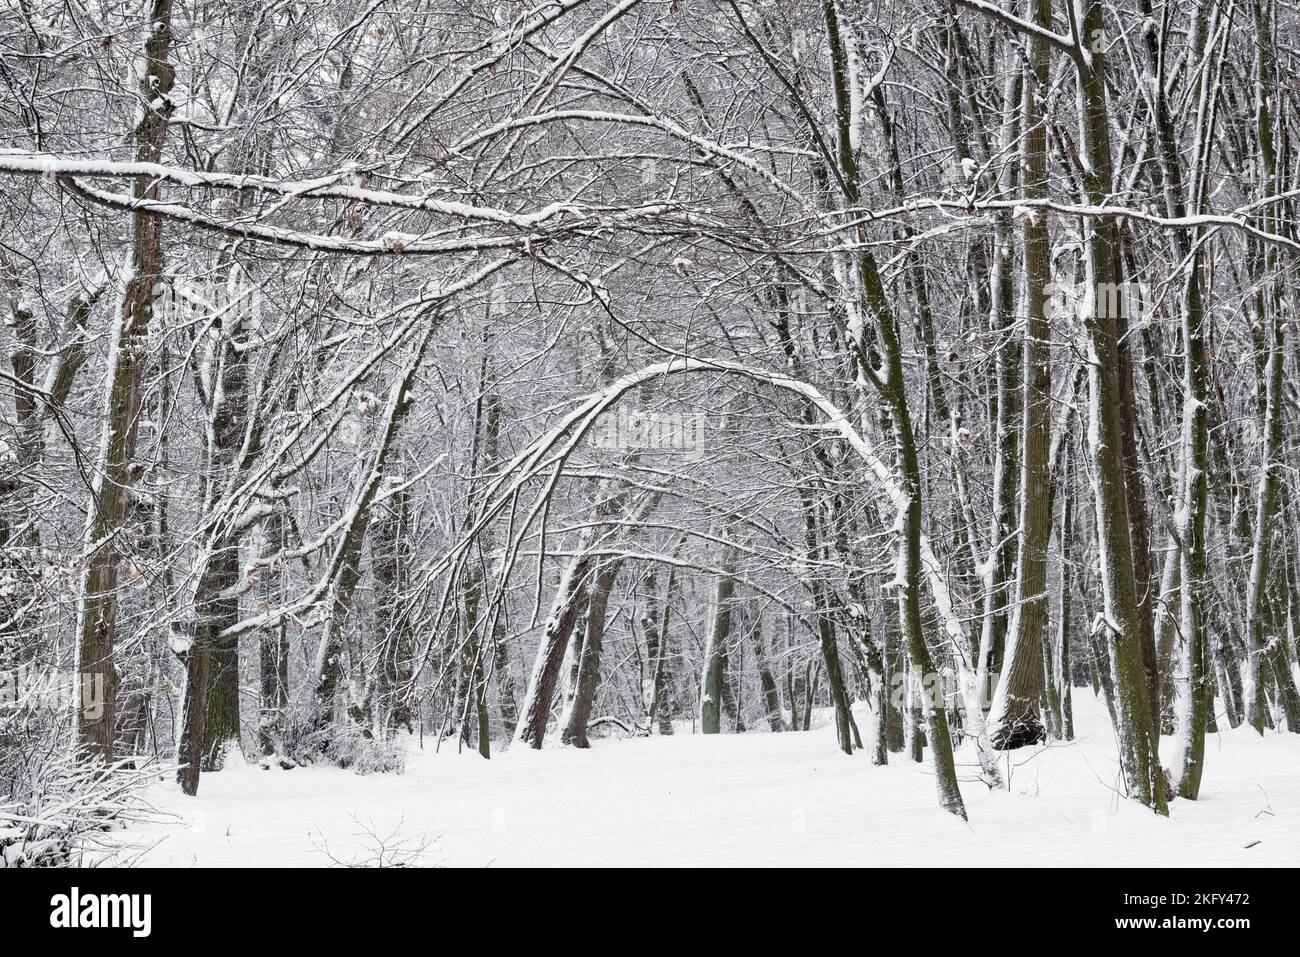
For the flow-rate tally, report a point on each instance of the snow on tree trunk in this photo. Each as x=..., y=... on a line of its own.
x=715, y=649
x=1013, y=719
x=106, y=537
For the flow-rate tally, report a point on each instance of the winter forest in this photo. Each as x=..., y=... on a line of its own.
x=425, y=425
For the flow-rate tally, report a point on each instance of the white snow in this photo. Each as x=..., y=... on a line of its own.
x=752, y=799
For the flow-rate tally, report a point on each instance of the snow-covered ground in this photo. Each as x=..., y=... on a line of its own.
x=753, y=799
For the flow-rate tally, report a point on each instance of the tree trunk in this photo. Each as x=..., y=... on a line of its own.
x=1122, y=617
x=392, y=552
x=771, y=693
x=1272, y=465
x=1013, y=718
x=118, y=471
x=665, y=673
x=1002, y=549
x=715, y=651
x=345, y=572
x=565, y=608
x=584, y=699
x=825, y=627
x=891, y=386
x=1065, y=594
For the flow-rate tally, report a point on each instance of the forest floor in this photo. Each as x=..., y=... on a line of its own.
x=751, y=799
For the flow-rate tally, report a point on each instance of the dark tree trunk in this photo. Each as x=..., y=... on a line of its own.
x=99, y=597
x=584, y=698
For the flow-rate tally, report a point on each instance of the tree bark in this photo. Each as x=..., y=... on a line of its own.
x=1271, y=467
x=584, y=699
x=891, y=387
x=715, y=651
x=771, y=693
x=118, y=471
x=1013, y=718
x=1122, y=615
x=565, y=608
